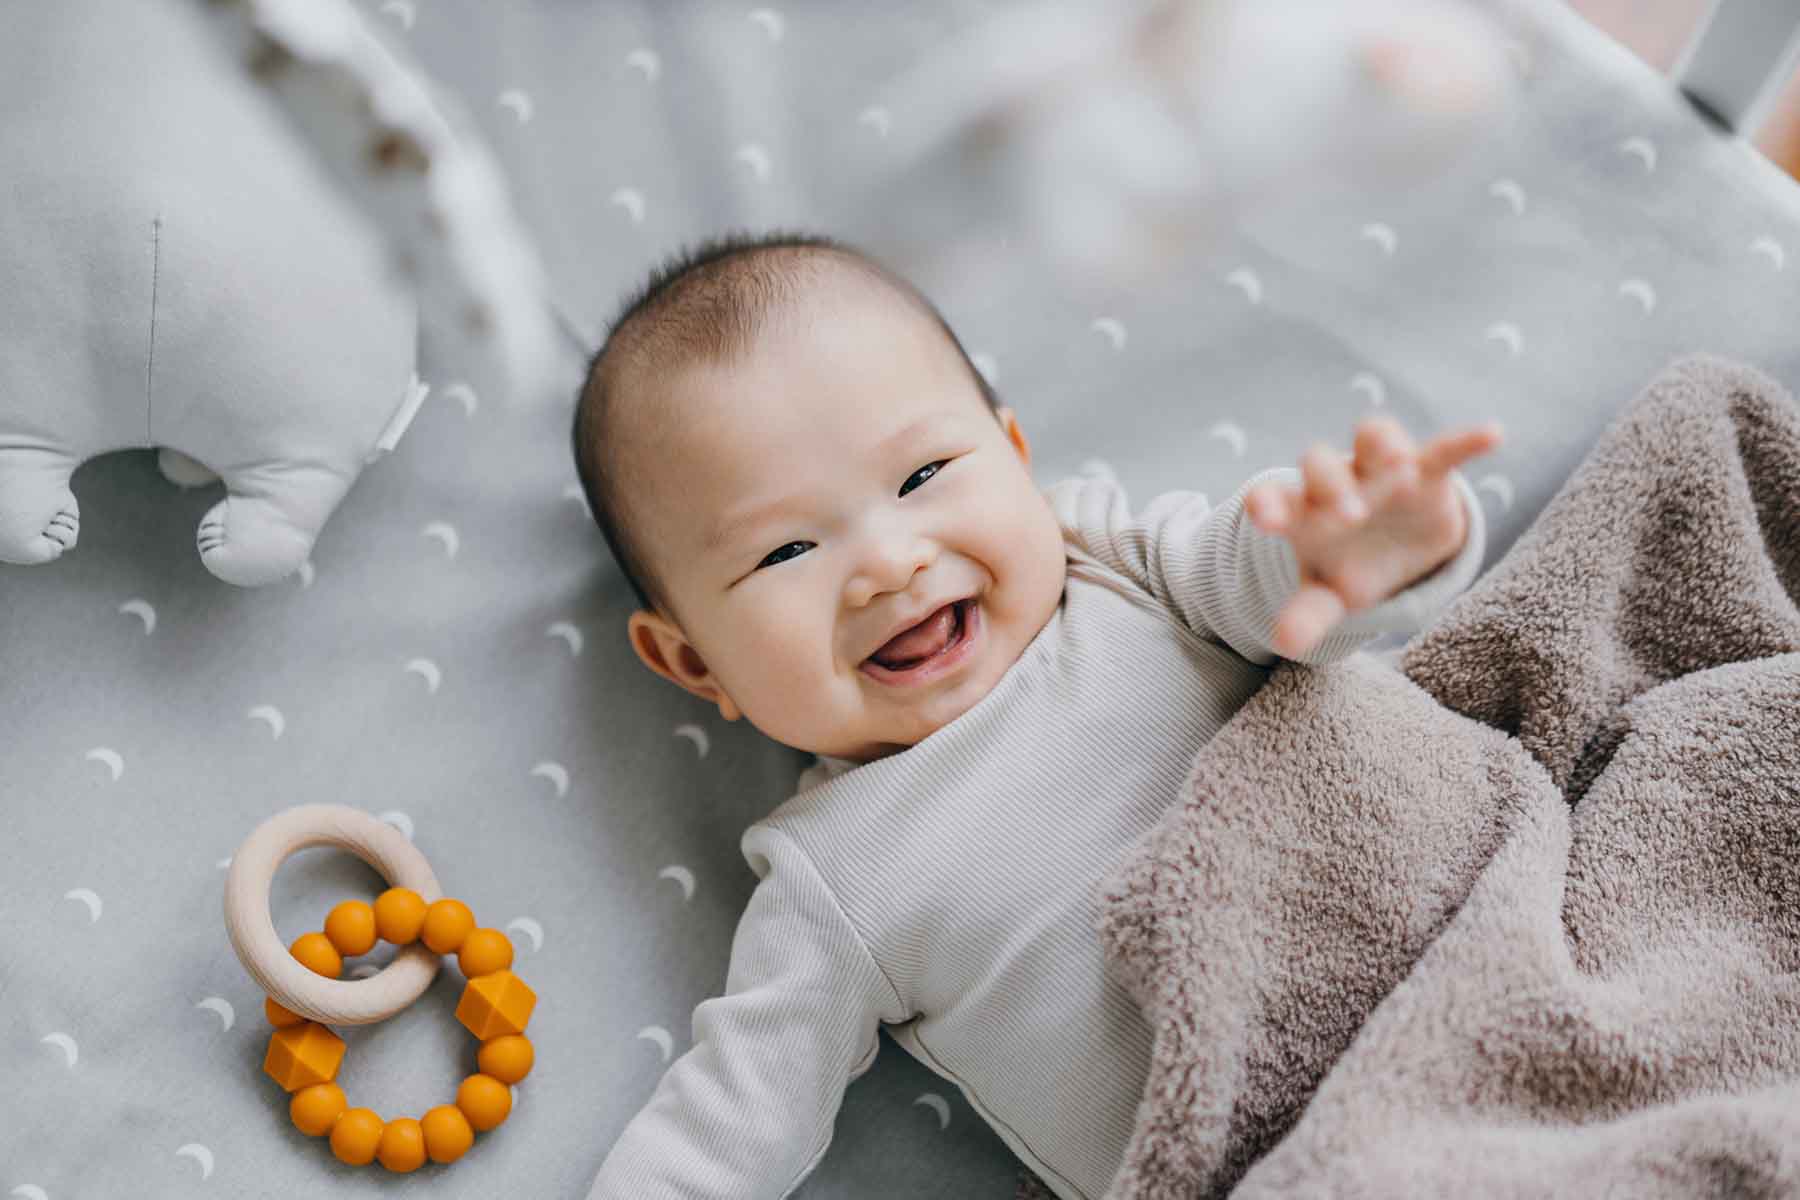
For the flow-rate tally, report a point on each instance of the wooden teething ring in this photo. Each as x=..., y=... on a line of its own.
x=276, y=971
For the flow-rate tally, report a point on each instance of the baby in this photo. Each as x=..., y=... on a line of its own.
x=831, y=525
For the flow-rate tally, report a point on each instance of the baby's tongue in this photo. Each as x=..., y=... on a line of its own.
x=921, y=641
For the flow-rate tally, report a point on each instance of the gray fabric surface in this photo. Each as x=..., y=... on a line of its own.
x=1518, y=919
x=1206, y=389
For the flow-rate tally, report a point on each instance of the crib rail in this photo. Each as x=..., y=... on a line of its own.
x=1737, y=61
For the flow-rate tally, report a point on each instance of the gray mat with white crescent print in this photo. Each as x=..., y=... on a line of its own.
x=455, y=659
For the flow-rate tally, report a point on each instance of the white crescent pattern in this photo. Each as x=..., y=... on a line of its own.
x=1247, y=280
x=1644, y=148
x=269, y=713
x=647, y=61
x=1500, y=486
x=1232, y=434
x=696, y=735
x=876, y=117
x=110, y=757
x=1509, y=191
x=659, y=1035
x=557, y=774
x=71, y=1052
x=567, y=631
x=464, y=394
x=427, y=670
x=756, y=156
x=1113, y=328
x=632, y=201
x=938, y=1105
x=770, y=20
x=532, y=929
x=1774, y=249
x=400, y=821
x=1370, y=385
x=1383, y=236
x=682, y=876
x=88, y=897
x=199, y=1154
x=445, y=532
x=517, y=100
x=1641, y=291
x=143, y=610
x=221, y=1006
x=1507, y=333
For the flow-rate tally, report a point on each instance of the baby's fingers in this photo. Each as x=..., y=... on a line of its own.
x=1442, y=453
x=1269, y=507
x=1306, y=619
x=1328, y=483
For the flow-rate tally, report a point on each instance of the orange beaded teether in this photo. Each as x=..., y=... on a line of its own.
x=304, y=1055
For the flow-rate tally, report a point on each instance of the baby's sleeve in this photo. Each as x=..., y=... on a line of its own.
x=748, y=1111
x=1228, y=580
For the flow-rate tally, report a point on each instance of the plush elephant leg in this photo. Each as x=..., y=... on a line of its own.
x=265, y=527
x=39, y=518
x=181, y=470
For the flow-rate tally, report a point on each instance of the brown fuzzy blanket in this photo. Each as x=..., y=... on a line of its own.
x=1521, y=918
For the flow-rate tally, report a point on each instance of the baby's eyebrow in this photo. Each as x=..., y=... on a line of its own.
x=727, y=530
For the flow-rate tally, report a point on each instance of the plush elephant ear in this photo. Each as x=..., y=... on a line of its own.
x=436, y=194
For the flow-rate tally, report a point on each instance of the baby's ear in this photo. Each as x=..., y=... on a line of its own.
x=666, y=651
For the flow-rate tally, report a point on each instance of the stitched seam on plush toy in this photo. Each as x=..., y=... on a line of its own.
x=150, y=366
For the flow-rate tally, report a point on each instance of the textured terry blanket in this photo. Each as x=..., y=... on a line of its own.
x=1521, y=918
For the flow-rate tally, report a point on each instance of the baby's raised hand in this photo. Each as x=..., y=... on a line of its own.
x=1366, y=528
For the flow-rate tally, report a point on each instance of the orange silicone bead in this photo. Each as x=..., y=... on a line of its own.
x=447, y=923
x=483, y=952
x=484, y=1100
x=355, y=1136
x=280, y=1017
x=315, y=1109
x=316, y=953
x=507, y=1058
x=402, y=1147
x=398, y=914
x=447, y=1133
x=351, y=928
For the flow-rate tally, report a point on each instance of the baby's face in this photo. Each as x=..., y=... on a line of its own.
x=855, y=480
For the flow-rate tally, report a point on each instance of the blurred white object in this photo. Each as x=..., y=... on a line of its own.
x=1126, y=129
x=435, y=194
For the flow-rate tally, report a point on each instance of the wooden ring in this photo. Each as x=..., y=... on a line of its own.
x=276, y=971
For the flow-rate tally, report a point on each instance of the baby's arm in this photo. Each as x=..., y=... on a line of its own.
x=748, y=1111
x=1227, y=580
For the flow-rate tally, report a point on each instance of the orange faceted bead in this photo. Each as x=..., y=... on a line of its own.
x=402, y=1146
x=399, y=912
x=351, y=928
x=484, y=1100
x=495, y=1004
x=302, y=1055
x=316, y=953
x=447, y=923
x=507, y=1058
x=279, y=1016
x=356, y=1136
x=315, y=1109
x=483, y=952
x=447, y=1133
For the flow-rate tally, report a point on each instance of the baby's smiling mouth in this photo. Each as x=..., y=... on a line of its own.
x=927, y=649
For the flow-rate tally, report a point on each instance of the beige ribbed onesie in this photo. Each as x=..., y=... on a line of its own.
x=948, y=891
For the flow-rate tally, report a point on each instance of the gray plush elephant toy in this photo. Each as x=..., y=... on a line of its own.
x=184, y=262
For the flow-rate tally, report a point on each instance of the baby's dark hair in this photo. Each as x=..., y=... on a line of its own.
x=706, y=303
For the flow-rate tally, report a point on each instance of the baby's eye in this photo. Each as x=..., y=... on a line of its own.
x=921, y=470
x=772, y=560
